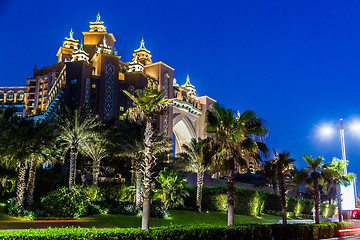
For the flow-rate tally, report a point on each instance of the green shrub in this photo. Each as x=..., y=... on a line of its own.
x=291, y=204
x=271, y=202
x=199, y=232
x=327, y=210
x=306, y=206
x=117, y=191
x=67, y=202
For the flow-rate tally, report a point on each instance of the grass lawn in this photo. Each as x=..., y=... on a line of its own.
x=178, y=217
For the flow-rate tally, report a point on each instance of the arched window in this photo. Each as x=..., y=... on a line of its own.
x=1, y=95
x=10, y=96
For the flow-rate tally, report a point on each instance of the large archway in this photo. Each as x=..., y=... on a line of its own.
x=183, y=131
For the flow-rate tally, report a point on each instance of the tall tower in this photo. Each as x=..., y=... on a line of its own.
x=69, y=46
x=143, y=54
x=96, y=36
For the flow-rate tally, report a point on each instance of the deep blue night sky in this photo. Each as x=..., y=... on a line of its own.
x=296, y=63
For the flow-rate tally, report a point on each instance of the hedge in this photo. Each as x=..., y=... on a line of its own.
x=254, y=203
x=201, y=232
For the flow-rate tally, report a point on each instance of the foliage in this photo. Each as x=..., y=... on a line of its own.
x=7, y=182
x=254, y=203
x=67, y=202
x=119, y=192
x=172, y=189
x=201, y=232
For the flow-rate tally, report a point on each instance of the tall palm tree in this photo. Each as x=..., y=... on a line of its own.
x=42, y=146
x=75, y=128
x=97, y=149
x=281, y=163
x=18, y=149
x=335, y=177
x=312, y=176
x=147, y=103
x=239, y=139
x=196, y=157
x=267, y=177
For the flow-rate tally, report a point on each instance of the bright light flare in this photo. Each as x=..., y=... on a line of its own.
x=326, y=131
x=355, y=127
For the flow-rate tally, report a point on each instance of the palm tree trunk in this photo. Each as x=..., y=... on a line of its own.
x=148, y=165
x=21, y=185
x=96, y=172
x=282, y=189
x=31, y=183
x=317, y=201
x=83, y=176
x=138, y=189
x=231, y=191
x=200, y=183
x=72, y=172
x=338, y=195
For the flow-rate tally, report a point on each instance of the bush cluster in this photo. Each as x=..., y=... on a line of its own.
x=253, y=203
x=201, y=232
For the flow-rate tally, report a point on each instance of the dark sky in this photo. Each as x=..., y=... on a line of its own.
x=296, y=63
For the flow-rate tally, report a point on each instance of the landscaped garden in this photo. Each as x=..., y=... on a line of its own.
x=154, y=191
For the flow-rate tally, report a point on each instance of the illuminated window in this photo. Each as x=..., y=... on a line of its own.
x=73, y=81
x=93, y=85
x=121, y=108
x=10, y=96
x=20, y=96
x=121, y=117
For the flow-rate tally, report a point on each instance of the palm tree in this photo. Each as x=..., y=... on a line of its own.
x=195, y=158
x=335, y=177
x=18, y=149
x=42, y=144
x=312, y=176
x=147, y=103
x=97, y=150
x=172, y=190
x=75, y=129
x=281, y=163
x=238, y=139
x=267, y=177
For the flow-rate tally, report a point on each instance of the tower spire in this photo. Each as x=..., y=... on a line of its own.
x=71, y=35
x=98, y=17
x=187, y=83
x=142, y=47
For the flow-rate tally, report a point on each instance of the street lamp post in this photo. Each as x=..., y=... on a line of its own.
x=343, y=145
x=348, y=193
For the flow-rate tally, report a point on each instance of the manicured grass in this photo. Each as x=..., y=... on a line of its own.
x=178, y=217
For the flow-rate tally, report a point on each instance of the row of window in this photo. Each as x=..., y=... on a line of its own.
x=10, y=96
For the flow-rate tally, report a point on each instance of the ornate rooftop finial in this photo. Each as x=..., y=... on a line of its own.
x=104, y=41
x=187, y=83
x=175, y=83
x=98, y=21
x=81, y=46
x=71, y=34
x=142, y=47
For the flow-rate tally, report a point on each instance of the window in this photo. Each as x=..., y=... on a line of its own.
x=1, y=95
x=121, y=117
x=20, y=96
x=93, y=85
x=121, y=108
x=10, y=96
x=73, y=81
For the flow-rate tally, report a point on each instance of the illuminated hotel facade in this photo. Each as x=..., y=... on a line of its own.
x=89, y=71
